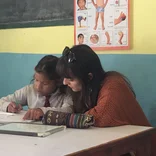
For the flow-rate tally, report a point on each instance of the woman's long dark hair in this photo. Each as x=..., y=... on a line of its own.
x=79, y=62
x=83, y=61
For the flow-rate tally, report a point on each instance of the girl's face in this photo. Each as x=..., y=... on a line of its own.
x=43, y=85
x=74, y=84
x=81, y=3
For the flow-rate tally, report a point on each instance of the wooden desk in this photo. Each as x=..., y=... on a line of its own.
x=80, y=142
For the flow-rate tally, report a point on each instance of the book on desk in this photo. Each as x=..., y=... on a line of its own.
x=29, y=129
x=13, y=123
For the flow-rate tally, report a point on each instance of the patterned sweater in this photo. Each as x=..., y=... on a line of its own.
x=117, y=105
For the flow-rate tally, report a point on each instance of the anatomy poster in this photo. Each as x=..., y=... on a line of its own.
x=102, y=24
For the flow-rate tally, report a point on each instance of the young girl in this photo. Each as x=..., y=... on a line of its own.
x=44, y=94
x=108, y=96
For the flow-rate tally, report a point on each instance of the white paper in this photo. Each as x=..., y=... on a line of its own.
x=6, y=117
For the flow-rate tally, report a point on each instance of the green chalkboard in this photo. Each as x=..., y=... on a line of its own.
x=35, y=13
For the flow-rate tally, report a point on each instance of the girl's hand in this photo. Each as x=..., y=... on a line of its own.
x=33, y=114
x=14, y=108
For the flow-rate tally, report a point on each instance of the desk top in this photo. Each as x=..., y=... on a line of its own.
x=65, y=142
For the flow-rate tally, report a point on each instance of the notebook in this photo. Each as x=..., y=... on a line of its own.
x=29, y=129
x=6, y=117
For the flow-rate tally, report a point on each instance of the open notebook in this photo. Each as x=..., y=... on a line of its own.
x=30, y=129
x=6, y=117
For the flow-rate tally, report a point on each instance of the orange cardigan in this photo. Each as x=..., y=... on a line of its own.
x=116, y=105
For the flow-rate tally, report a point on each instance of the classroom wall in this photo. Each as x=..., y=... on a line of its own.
x=20, y=50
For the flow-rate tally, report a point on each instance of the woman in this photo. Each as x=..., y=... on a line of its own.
x=108, y=96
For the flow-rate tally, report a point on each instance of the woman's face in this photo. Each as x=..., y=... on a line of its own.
x=74, y=84
x=43, y=85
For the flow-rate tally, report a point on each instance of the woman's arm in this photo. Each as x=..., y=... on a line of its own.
x=111, y=104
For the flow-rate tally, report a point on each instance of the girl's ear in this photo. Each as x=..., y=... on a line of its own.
x=90, y=76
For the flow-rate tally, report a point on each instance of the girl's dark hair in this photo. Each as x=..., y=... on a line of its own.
x=47, y=66
x=78, y=62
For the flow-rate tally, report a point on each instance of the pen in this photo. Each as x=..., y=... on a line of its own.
x=18, y=109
